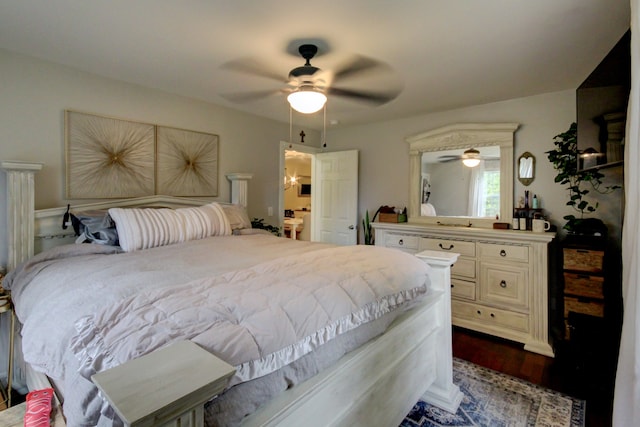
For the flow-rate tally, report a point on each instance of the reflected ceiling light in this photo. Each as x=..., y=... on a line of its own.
x=590, y=152
x=471, y=158
x=306, y=99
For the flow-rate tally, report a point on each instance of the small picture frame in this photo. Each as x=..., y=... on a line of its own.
x=304, y=186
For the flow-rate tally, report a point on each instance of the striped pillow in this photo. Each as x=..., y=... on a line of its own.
x=144, y=228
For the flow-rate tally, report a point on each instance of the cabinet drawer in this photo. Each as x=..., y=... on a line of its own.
x=583, y=285
x=464, y=267
x=463, y=289
x=584, y=306
x=490, y=316
x=583, y=260
x=504, y=284
x=462, y=247
x=504, y=252
x=402, y=241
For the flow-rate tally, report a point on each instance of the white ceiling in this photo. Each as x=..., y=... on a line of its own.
x=445, y=53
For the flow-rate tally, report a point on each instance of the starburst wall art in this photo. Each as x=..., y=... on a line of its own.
x=187, y=163
x=115, y=158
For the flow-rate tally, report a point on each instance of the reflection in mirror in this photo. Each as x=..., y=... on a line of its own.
x=477, y=188
x=444, y=191
x=526, y=168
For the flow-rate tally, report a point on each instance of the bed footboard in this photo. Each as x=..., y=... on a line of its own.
x=379, y=383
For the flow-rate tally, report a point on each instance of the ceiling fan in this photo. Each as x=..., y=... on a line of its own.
x=310, y=82
x=470, y=158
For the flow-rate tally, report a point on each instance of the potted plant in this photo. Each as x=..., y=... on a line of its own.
x=565, y=160
x=367, y=229
x=259, y=223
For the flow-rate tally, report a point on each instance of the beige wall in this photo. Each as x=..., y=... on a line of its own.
x=384, y=155
x=35, y=93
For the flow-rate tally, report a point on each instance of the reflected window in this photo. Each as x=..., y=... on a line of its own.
x=484, y=190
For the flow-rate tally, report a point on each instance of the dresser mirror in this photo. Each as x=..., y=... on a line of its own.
x=443, y=190
x=526, y=168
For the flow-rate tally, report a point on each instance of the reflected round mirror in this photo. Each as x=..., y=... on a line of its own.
x=445, y=191
x=526, y=168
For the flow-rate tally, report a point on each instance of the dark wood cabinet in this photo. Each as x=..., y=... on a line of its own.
x=592, y=307
x=583, y=273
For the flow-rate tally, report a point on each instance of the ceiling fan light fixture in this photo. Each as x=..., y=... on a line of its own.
x=471, y=163
x=307, y=100
x=470, y=158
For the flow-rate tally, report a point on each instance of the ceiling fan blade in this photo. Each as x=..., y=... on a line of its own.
x=371, y=97
x=242, y=97
x=446, y=159
x=358, y=64
x=255, y=68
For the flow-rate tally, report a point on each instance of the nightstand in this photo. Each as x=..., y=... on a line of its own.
x=167, y=387
x=6, y=309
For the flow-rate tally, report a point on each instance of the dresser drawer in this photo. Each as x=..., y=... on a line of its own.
x=583, y=285
x=401, y=241
x=490, y=316
x=464, y=267
x=504, y=284
x=462, y=247
x=504, y=252
x=463, y=289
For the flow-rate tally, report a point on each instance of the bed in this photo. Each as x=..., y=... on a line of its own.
x=362, y=361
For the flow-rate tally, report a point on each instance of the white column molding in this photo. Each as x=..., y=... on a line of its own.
x=443, y=392
x=239, y=187
x=20, y=210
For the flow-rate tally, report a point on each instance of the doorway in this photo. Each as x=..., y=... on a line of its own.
x=332, y=204
x=295, y=211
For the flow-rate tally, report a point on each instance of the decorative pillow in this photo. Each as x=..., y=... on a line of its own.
x=94, y=226
x=237, y=216
x=148, y=228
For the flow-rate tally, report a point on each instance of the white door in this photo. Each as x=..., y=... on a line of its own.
x=335, y=197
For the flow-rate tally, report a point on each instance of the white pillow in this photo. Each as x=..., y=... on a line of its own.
x=237, y=216
x=143, y=228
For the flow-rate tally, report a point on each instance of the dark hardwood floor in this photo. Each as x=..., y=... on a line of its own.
x=558, y=373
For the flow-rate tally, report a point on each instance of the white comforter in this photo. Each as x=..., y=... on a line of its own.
x=257, y=302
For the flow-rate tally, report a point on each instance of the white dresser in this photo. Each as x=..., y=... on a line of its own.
x=500, y=283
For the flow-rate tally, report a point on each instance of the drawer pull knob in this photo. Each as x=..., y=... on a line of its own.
x=479, y=312
x=503, y=284
x=503, y=253
x=493, y=315
x=401, y=242
x=452, y=286
x=446, y=249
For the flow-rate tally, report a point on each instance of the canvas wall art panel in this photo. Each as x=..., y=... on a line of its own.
x=107, y=157
x=187, y=163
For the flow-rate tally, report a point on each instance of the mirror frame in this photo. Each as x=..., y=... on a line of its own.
x=456, y=136
x=526, y=181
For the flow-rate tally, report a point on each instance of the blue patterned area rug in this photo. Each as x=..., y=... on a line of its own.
x=495, y=399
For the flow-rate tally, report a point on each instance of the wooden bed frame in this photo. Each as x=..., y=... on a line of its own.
x=376, y=384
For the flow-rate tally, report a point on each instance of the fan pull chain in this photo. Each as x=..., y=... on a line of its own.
x=290, y=126
x=324, y=127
